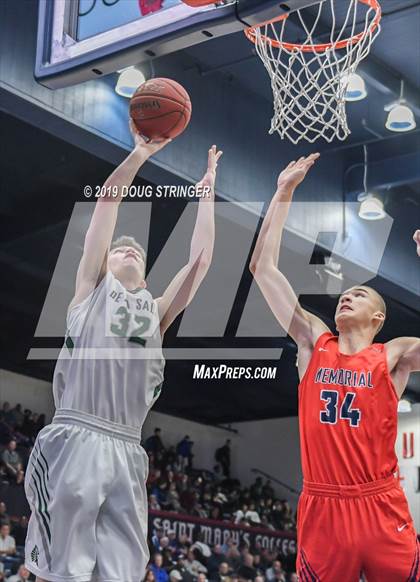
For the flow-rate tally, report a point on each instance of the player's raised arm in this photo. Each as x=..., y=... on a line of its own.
x=301, y=325
x=403, y=353
x=92, y=267
x=186, y=282
x=403, y=357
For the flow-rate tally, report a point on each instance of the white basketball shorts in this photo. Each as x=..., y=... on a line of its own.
x=86, y=485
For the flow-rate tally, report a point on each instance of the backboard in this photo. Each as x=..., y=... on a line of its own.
x=80, y=40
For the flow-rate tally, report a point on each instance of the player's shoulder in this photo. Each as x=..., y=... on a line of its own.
x=323, y=341
x=324, y=338
x=317, y=328
x=80, y=305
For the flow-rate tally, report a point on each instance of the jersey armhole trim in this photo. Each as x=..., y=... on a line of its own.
x=325, y=333
x=315, y=348
x=388, y=374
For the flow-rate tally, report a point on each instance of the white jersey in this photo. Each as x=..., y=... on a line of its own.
x=112, y=364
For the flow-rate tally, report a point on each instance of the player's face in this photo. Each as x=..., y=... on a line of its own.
x=357, y=305
x=127, y=260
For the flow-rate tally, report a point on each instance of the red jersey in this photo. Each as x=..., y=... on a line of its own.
x=347, y=415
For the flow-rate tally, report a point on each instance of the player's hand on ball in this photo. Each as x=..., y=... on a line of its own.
x=295, y=172
x=147, y=147
x=416, y=239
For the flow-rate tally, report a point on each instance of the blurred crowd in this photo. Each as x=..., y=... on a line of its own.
x=174, y=485
x=18, y=431
x=12, y=543
x=174, y=559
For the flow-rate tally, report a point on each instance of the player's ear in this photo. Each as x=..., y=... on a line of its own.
x=143, y=284
x=379, y=317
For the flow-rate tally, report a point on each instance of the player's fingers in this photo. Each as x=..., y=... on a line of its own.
x=212, y=154
x=306, y=161
x=311, y=159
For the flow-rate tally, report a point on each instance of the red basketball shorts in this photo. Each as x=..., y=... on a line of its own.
x=346, y=530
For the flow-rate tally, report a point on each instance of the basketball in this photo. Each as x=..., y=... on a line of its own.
x=160, y=109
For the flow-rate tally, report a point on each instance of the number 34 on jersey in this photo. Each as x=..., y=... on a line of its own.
x=339, y=409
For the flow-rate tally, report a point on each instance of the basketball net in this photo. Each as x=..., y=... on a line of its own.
x=309, y=80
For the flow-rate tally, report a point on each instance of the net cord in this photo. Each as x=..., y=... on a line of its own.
x=309, y=86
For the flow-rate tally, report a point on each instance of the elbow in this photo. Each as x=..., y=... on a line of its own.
x=201, y=264
x=255, y=261
x=253, y=266
x=257, y=268
x=204, y=263
x=261, y=271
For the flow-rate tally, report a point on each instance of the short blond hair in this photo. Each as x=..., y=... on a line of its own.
x=129, y=241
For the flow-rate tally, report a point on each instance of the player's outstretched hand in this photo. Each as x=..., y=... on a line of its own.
x=416, y=239
x=214, y=157
x=147, y=147
x=209, y=177
x=295, y=172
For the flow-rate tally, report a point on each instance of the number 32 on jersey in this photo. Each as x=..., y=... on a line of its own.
x=335, y=410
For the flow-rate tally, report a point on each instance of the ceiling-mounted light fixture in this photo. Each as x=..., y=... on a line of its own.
x=400, y=116
x=128, y=81
x=404, y=405
x=371, y=207
x=356, y=88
